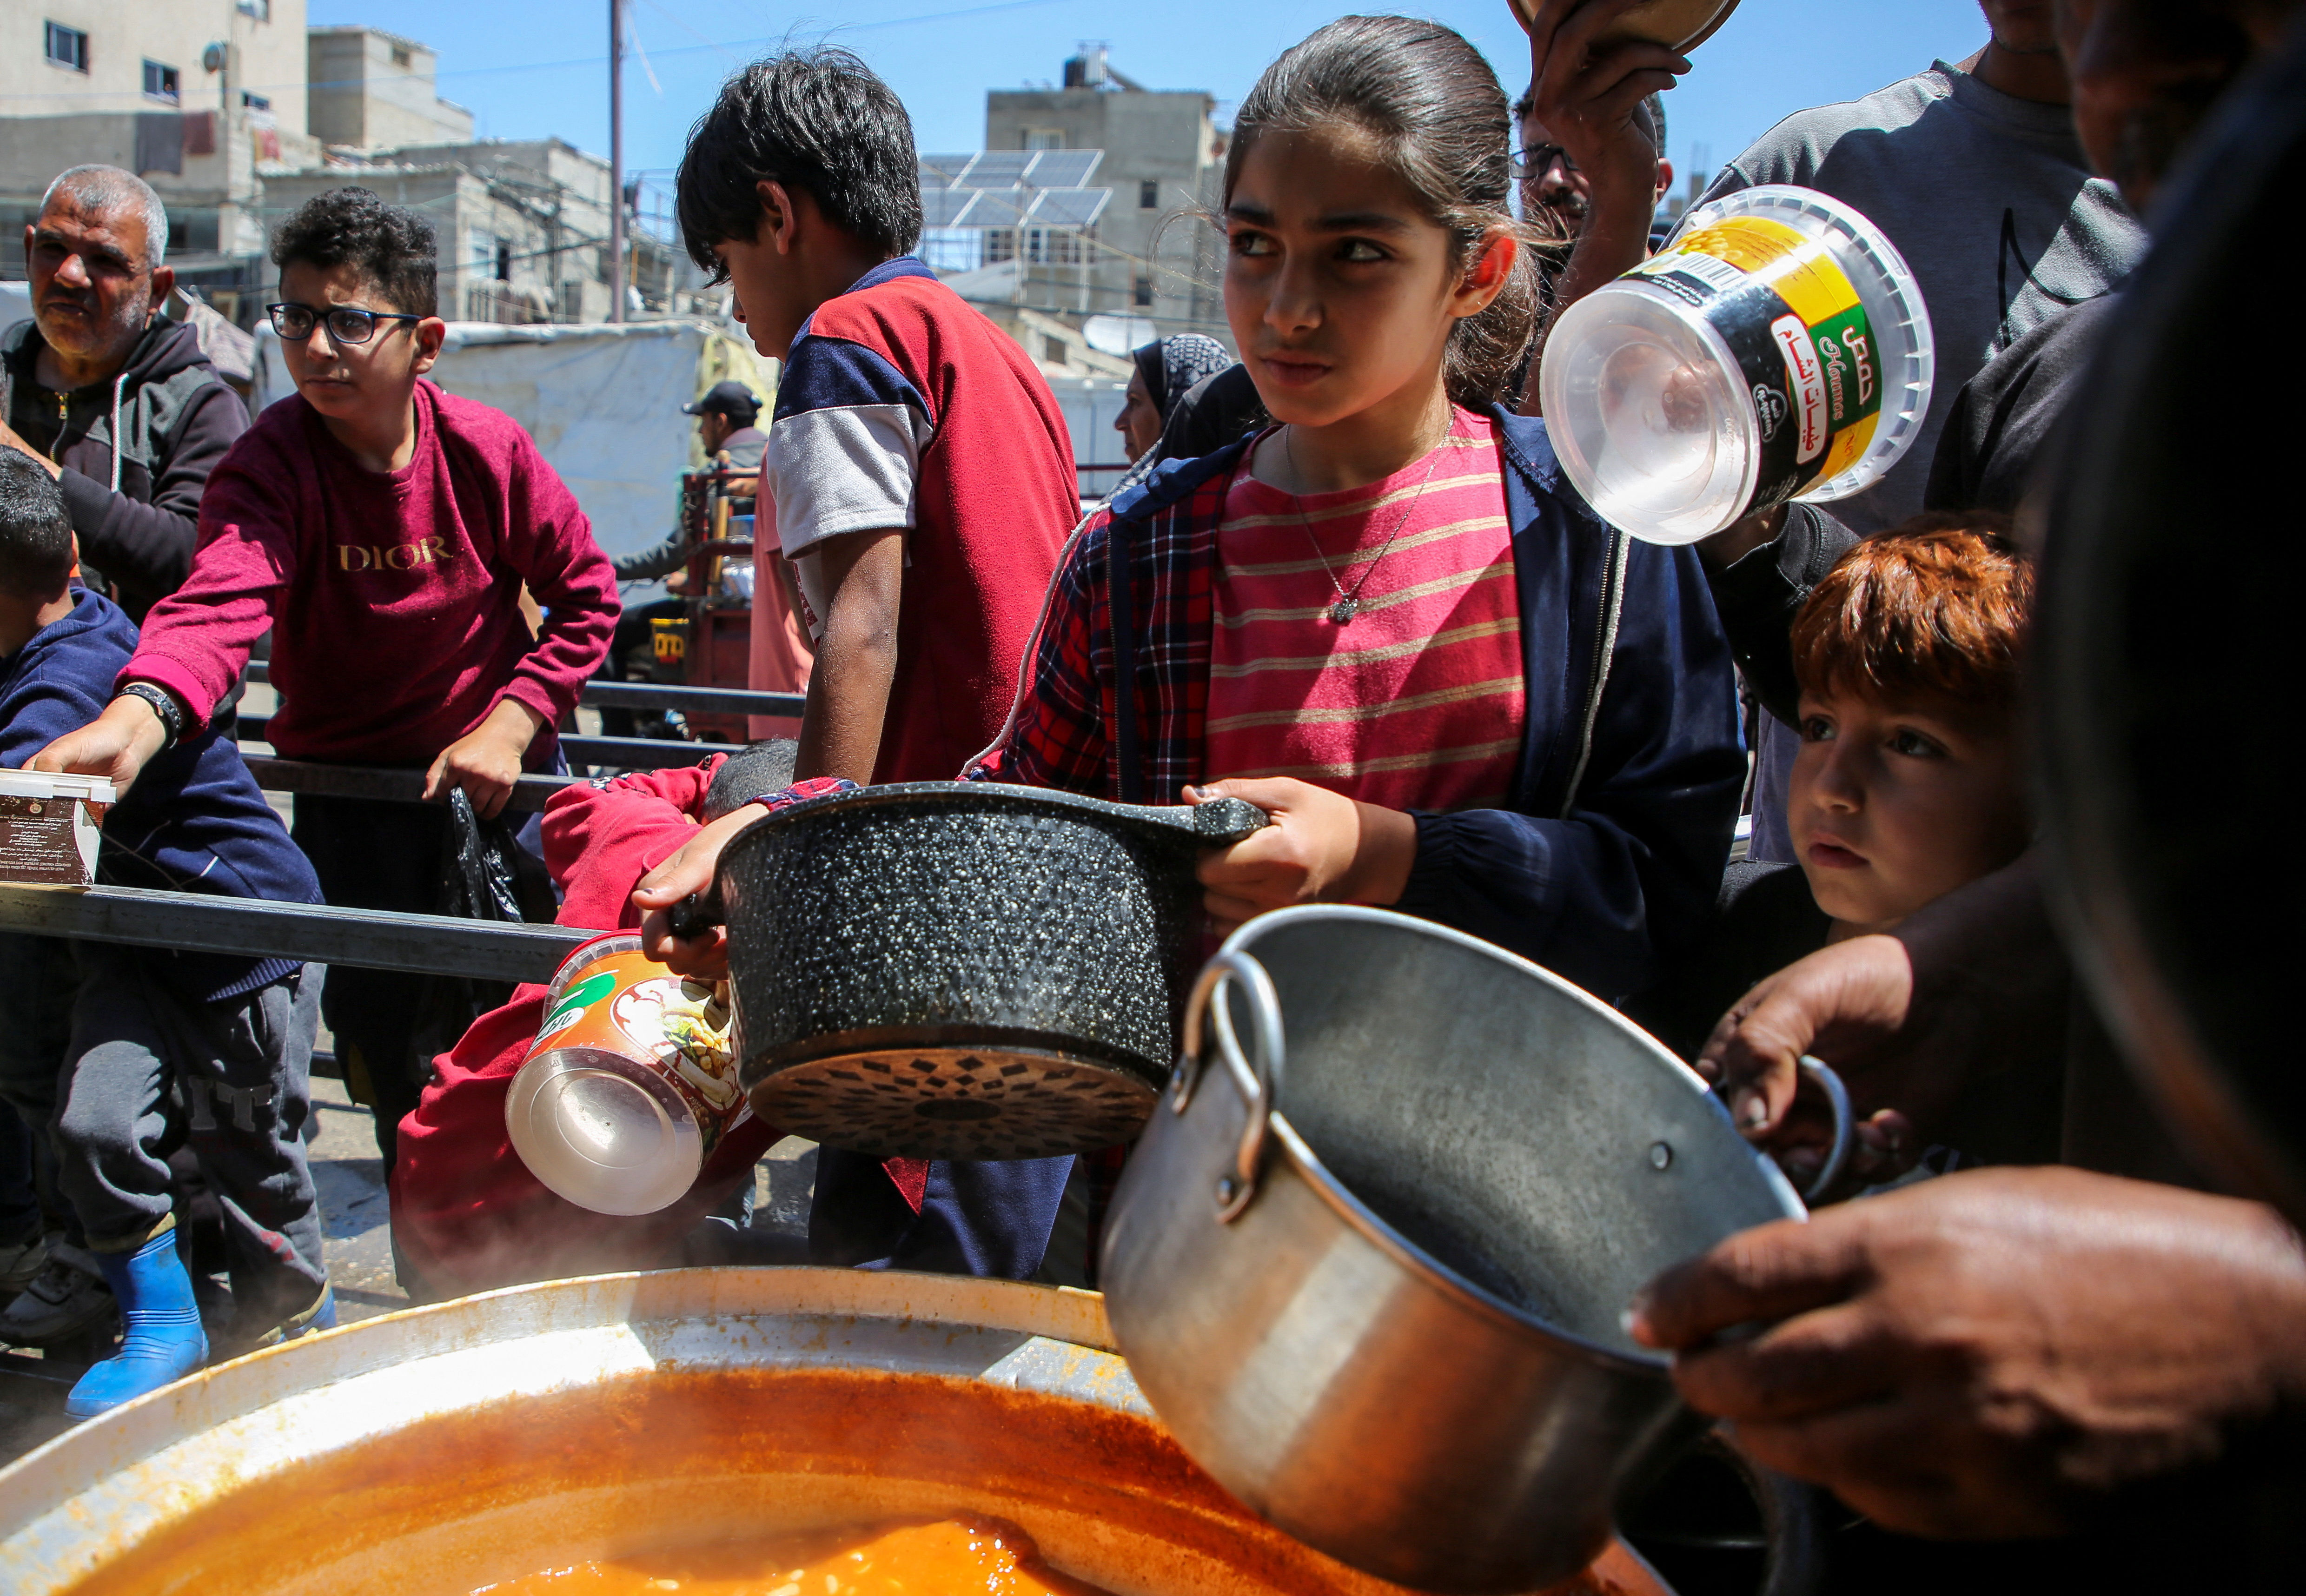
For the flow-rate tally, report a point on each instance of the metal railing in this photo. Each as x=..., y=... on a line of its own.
x=377, y=939
x=641, y=694
x=200, y=922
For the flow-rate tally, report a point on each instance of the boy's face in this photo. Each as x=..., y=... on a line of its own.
x=1893, y=806
x=365, y=383
x=767, y=277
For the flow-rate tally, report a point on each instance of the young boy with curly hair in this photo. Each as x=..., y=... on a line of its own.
x=382, y=530
x=1908, y=783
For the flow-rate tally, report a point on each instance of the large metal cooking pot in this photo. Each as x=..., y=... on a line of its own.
x=964, y=969
x=1377, y=1293
x=434, y=1451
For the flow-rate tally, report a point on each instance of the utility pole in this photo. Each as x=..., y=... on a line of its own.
x=616, y=160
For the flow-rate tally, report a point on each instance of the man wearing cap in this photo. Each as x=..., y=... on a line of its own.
x=724, y=426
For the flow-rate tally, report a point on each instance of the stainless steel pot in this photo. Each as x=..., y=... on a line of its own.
x=435, y=1451
x=1377, y=1293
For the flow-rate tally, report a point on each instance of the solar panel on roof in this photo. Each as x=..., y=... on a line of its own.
x=1070, y=207
x=1063, y=168
x=999, y=168
x=998, y=208
x=943, y=207
x=940, y=171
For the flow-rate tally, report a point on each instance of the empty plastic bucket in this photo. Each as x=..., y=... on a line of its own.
x=1776, y=348
x=630, y=1083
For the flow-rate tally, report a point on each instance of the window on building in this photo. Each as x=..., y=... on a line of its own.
x=67, y=46
x=999, y=244
x=504, y=261
x=1052, y=349
x=256, y=102
x=261, y=10
x=1045, y=138
x=401, y=57
x=1148, y=195
x=1144, y=295
x=161, y=83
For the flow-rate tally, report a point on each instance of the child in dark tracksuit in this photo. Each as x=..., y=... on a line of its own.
x=224, y=1041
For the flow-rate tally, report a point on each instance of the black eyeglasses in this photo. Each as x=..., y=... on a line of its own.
x=1532, y=161
x=346, y=324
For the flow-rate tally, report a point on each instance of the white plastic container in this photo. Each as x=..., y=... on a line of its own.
x=51, y=826
x=630, y=1084
x=1776, y=348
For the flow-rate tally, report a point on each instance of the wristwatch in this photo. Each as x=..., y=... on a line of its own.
x=171, y=719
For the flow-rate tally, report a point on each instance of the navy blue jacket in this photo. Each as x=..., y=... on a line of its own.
x=1611, y=844
x=195, y=821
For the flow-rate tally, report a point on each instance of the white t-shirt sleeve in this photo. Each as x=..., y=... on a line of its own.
x=843, y=469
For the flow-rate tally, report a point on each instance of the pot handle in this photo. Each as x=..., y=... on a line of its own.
x=1845, y=1130
x=1218, y=823
x=695, y=913
x=1259, y=1086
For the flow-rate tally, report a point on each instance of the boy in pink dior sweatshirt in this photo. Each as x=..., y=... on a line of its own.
x=382, y=530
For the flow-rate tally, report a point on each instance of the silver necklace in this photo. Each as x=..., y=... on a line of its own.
x=1349, y=601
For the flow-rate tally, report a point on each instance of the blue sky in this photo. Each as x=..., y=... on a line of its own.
x=534, y=67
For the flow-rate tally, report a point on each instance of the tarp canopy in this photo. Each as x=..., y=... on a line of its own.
x=602, y=402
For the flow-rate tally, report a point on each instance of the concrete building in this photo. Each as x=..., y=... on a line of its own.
x=199, y=96
x=211, y=101
x=67, y=57
x=370, y=89
x=1163, y=155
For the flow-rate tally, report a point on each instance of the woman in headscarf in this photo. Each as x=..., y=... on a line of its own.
x=1166, y=369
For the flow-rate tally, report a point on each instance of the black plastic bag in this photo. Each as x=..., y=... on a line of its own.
x=485, y=875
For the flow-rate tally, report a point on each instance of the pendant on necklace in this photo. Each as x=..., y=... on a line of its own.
x=1344, y=611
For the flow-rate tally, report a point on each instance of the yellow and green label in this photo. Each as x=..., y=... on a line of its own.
x=1795, y=325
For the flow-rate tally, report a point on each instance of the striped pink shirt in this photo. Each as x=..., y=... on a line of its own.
x=1418, y=701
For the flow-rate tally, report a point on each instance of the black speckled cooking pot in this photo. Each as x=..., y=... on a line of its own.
x=965, y=970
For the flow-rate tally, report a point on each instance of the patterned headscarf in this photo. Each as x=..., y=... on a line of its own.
x=1172, y=365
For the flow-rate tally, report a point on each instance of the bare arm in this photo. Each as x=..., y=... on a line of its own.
x=864, y=584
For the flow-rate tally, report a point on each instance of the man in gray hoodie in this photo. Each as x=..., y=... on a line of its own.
x=118, y=402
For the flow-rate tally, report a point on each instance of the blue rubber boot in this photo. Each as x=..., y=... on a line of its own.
x=164, y=1340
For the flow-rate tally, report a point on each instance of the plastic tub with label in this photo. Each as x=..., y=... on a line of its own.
x=1776, y=348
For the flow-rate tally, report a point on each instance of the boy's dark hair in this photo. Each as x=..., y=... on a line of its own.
x=1433, y=107
x=755, y=771
x=816, y=120
x=393, y=247
x=1932, y=612
x=36, y=533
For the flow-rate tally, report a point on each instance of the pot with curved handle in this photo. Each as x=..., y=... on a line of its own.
x=964, y=969
x=1377, y=1290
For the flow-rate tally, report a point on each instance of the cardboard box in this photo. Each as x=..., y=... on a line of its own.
x=49, y=826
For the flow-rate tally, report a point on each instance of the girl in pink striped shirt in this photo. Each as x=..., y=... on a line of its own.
x=1386, y=619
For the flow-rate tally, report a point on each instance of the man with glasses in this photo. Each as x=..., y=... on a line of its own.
x=384, y=531
x=1555, y=193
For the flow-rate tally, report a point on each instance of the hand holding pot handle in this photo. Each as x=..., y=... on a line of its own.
x=697, y=915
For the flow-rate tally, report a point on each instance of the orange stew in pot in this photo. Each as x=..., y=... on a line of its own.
x=957, y=1556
